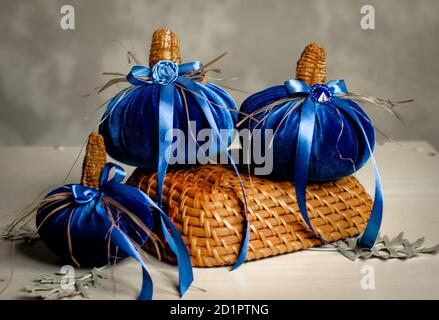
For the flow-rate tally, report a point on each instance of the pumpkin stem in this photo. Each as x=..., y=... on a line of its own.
x=164, y=46
x=94, y=161
x=311, y=67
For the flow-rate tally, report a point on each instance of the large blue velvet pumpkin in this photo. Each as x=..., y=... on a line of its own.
x=131, y=124
x=338, y=146
x=140, y=122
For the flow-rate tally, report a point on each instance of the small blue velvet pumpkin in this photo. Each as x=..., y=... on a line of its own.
x=80, y=231
x=102, y=220
x=87, y=226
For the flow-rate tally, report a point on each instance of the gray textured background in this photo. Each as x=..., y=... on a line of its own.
x=45, y=71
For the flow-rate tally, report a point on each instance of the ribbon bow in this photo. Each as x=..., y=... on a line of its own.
x=167, y=74
x=326, y=94
x=82, y=195
x=138, y=201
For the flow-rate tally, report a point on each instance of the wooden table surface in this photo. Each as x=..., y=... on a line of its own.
x=410, y=176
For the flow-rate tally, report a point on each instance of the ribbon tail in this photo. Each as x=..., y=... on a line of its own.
x=178, y=246
x=370, y=234
x=166, y=121
x=119, y=239
x=303, y=155
x=244, y=247
x=205, y=107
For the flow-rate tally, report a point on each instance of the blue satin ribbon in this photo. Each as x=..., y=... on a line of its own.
x=297, y=88
x=141, y=75
x=137, y=199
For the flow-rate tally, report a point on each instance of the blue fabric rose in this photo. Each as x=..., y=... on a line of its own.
x=164, y=72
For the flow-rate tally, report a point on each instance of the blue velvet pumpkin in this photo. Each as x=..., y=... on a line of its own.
x=319, y=134
x=84, y=225
x=131, y=124
x=140, y=122
x=96, y=226
x=338, y=146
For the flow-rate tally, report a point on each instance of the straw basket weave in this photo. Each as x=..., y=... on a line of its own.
x=206, y=204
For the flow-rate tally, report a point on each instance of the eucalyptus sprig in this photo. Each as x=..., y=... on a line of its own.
x=384, y=248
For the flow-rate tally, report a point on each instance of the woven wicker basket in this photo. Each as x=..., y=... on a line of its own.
x=206, y=203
